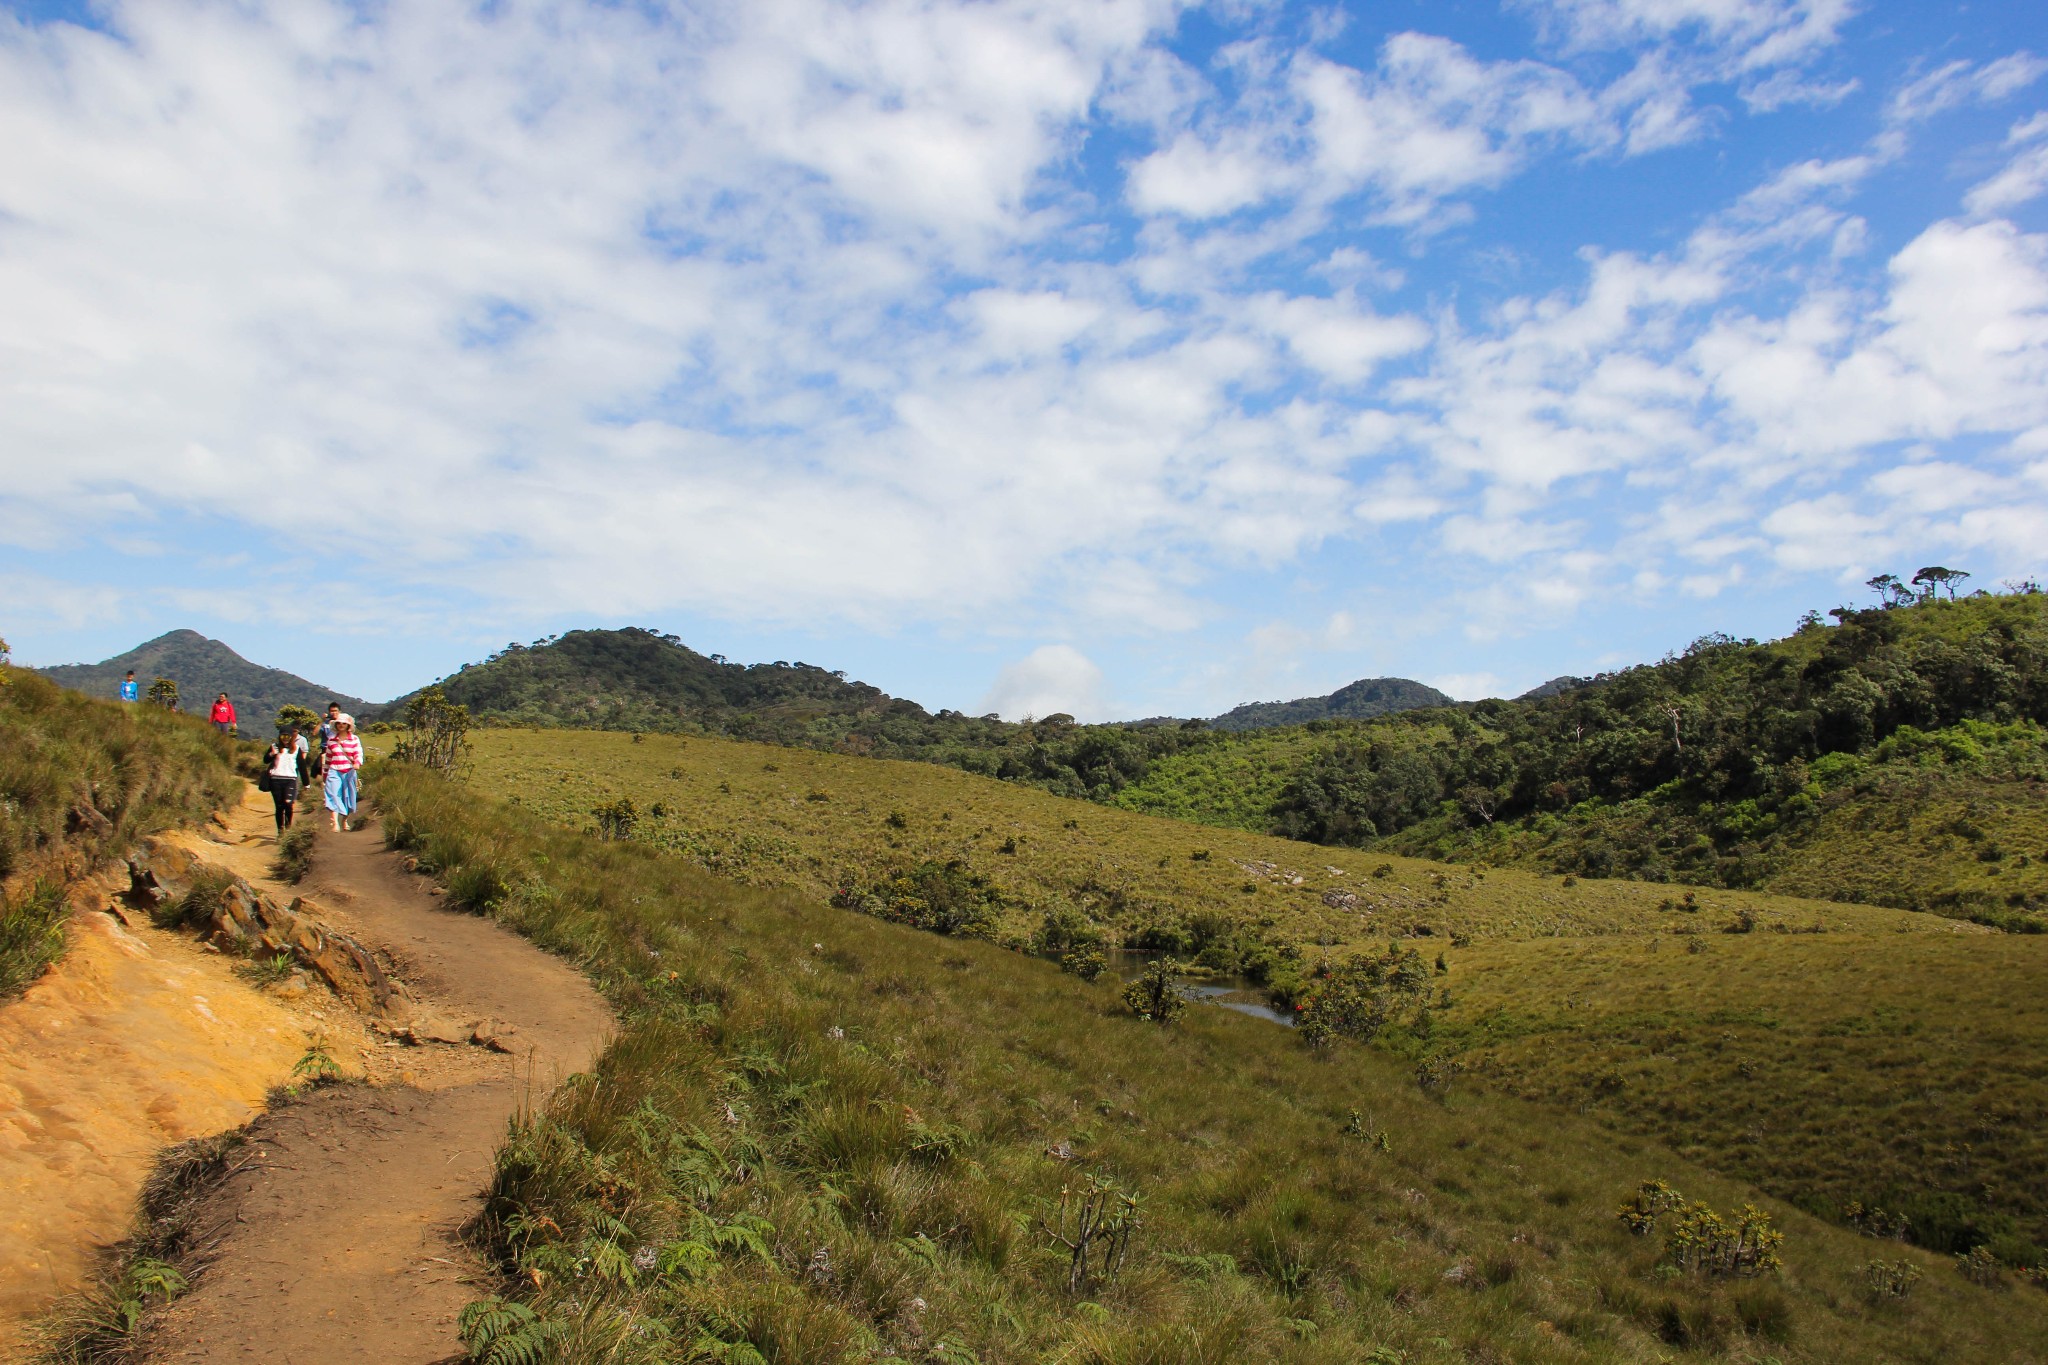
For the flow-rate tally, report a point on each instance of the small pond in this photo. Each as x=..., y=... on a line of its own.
x=1205, y=988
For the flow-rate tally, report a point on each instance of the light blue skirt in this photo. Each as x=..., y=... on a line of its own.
x=341, y=791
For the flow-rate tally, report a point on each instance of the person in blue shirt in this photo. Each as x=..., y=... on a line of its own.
x=131, y=690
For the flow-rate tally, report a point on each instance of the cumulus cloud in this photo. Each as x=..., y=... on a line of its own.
x=1050, y=680
x=817, y=312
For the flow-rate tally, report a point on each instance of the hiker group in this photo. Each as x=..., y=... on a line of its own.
x=293, y=762
x=334, y=755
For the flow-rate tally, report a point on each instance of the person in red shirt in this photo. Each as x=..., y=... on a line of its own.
x=224, y=715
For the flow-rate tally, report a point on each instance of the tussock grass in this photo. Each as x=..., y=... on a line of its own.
x=294, y=854
x=819, y=1137
x=31, y=935
x=81, y=779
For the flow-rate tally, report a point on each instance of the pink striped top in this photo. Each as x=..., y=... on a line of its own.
x=344, y=753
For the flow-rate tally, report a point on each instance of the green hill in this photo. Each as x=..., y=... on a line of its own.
x=1362, y=700
x=1896, y=757
x=203, y=668
x=634, y=679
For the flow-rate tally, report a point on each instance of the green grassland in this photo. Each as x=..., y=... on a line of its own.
x=1833, y=1054
x=822, y=1137
x=81, y=780
x=815, y=822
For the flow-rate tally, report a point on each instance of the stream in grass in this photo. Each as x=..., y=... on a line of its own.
x=1203, y=987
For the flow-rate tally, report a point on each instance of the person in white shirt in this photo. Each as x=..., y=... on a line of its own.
x=284, y=762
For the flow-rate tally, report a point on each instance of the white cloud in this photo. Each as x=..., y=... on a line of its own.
x=1429, y=121
x=2023, y=178
x=1789, y=88
x=642, y=302
x=1751, y=34
x=1959, y=82
x=1468, y=686
x=812, y=313
x=1206, y=180
x=1337, y=337
x=1049, y=680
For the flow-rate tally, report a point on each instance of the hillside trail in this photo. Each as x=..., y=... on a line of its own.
x=337, y=1241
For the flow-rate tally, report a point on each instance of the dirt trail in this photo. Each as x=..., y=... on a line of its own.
x=337, y=1242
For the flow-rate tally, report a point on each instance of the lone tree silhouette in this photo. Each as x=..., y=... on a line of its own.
x=1935, y=576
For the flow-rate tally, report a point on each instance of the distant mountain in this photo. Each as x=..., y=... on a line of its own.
x=1556, y=687
x=203, y=668
x=1362, y=700
x=634, y=679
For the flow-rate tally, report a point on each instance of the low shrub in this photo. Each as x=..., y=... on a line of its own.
x=1155, y=995
x=82, y=779
x=106, y=1322
x=1890, y=1279
x=1981, y=1267
x=477, y=886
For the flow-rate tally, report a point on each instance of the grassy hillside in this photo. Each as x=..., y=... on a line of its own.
x=823, y=1137
x=80, y=780
x=1835, y=1054
x=1896, y=758
x=202, y=669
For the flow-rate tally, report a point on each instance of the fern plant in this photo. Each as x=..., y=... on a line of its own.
x=506, y=1332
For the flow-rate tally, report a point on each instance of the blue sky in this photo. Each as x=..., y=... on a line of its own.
x=1114, y=356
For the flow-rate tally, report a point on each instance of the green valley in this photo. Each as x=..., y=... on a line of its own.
x=823, y=1137
x=1837, y=1055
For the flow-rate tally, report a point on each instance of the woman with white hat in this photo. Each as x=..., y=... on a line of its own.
x=344, y=759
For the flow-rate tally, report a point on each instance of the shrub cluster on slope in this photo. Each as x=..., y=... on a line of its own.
x=821, y=1137
x=1712, y=767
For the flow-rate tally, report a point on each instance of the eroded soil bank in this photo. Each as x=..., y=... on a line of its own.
x=136, y=1040
x=336, y=1239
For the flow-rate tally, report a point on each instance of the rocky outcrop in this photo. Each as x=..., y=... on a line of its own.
x=249, y=923
x=244, y=921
